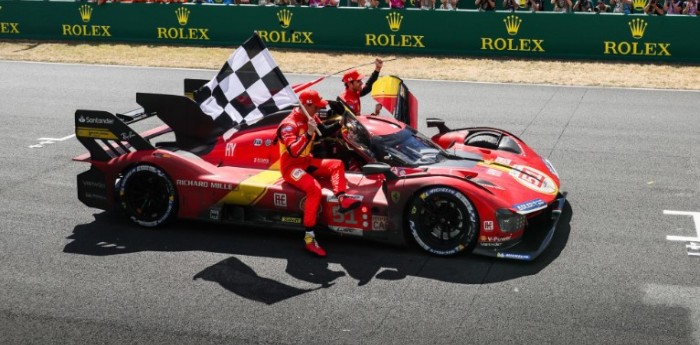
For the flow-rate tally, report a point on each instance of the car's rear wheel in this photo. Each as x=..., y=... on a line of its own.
x=443, y=221
x=148, y=196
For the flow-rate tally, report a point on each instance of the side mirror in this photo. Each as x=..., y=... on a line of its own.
x=439, y=123
x=378, y=168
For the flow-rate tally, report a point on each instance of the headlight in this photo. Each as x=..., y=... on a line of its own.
x=509, y=221
x=550, y=167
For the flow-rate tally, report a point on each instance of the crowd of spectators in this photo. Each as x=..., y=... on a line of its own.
x=652, y=7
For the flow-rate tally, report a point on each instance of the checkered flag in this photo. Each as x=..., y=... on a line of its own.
x=248, y=87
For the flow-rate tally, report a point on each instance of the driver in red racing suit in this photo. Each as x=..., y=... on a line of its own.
x=296, y=134
x=354, y=88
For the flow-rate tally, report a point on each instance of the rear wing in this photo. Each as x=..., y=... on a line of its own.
x=192, y=86
x=106, y=136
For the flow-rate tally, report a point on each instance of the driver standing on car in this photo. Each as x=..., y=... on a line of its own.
x=296, y=134
x=354, y=88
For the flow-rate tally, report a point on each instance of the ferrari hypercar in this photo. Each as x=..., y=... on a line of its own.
x=480, y=190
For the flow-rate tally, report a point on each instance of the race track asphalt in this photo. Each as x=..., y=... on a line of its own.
x=74, y=275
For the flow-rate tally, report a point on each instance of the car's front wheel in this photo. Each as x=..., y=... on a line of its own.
x=148, y=196
x=443, y=221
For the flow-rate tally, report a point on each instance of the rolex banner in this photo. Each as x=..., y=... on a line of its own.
x=384, y=31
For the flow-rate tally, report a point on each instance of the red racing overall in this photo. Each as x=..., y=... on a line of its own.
x=298, y=166
x=351, y=95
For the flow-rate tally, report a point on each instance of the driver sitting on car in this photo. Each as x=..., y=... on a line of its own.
x=296, y=134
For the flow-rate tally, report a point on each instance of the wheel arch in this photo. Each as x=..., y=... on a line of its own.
x=471, y=207
x=153, y=168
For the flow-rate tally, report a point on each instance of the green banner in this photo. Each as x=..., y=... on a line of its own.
x=409, y=31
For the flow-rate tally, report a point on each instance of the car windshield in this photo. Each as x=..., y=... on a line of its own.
x=406, y=147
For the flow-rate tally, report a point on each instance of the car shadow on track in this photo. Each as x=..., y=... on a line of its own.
x=361, y=260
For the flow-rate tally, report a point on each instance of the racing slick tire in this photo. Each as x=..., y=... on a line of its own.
x=148, y=196
x=443, y=221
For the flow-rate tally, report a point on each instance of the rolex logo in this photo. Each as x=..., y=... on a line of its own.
x=639, y=4
x=285, y=17
x=183, y=15
x=394, y=19
x=512, y=24
x=637, y=27
x=85, y=13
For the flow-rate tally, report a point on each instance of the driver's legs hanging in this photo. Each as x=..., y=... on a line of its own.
x=304, y=179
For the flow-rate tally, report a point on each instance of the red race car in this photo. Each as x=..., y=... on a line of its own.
x=478, y=190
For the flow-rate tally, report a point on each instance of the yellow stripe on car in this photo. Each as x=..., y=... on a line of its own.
x=250, y=190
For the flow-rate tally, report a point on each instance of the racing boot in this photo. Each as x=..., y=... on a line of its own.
x=347, y=203
x=312, y=245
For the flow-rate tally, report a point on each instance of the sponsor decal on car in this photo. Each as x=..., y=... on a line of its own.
x=215, y=214
x=534, y=179
x=530, y=206
x=280, y=200
x=95, y=120
x=95, y=196
x=128, y=135
x=230, y=149
x=494, y=172
x=347, y=231
x=488, y=225
x=514, y=256
x=395, y=197
x=294, y=220
x=333, y=198
x=95, y=133
x=204, y=184
x=504, y=161
x=94, y=184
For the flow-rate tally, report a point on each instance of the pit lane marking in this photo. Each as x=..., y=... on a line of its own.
x=693, y=243
x=48, y=141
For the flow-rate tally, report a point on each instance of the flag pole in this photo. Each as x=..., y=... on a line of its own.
x=300, y=87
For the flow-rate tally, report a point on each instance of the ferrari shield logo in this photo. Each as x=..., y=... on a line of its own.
x=395, y=197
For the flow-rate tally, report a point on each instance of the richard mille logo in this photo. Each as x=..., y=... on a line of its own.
x=9, y=28
x=284, y=18
x=182, y=15
x=394, y=20
x=512, y=25
x=85, y=30
x=637, y=28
